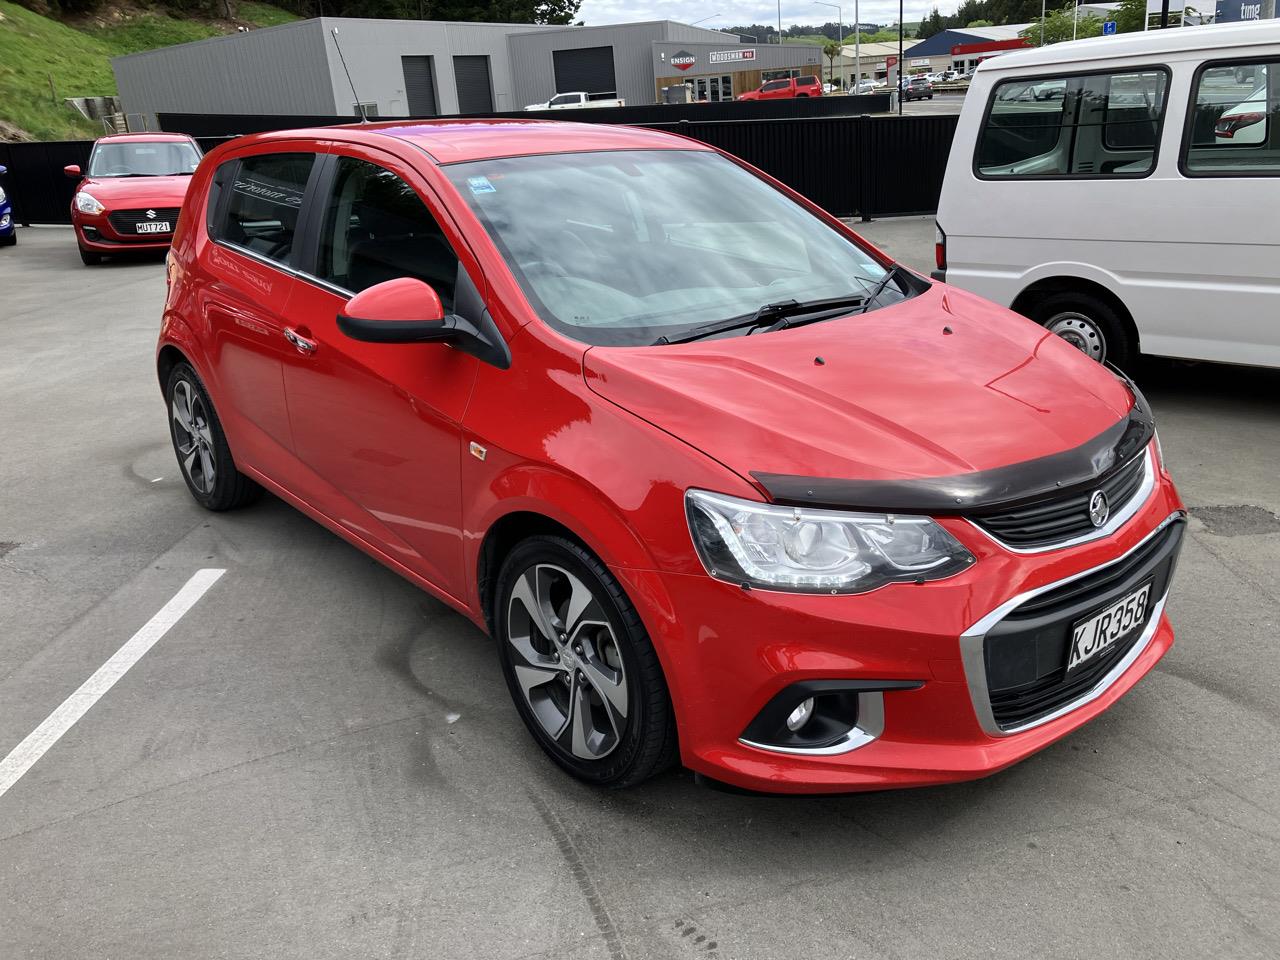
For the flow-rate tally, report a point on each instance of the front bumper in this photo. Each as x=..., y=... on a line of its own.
x=729, y=651
x=96, y=234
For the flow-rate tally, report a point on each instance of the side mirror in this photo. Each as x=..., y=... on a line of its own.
x=403, y=310
x=72, y=170
x=406, y=310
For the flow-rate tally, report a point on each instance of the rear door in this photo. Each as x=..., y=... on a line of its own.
x=254, y=229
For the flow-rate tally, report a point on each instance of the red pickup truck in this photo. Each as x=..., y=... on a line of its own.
x=785, y=89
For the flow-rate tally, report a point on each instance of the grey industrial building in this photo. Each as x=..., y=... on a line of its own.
x=416, y=68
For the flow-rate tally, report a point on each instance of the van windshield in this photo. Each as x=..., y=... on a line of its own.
x=147, y=158
x=628, y=247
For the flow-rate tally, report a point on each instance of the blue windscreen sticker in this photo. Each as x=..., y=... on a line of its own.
x=481, y=185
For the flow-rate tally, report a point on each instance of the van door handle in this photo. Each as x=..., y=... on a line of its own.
x=304, y=345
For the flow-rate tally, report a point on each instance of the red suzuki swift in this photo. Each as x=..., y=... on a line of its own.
x=128, y=197
x=724, y=482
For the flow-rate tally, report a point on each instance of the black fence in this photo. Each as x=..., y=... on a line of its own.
x=237, y=124
x=859, y=166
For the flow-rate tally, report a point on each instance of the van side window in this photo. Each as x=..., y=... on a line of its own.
x=377, y=228
x=1083, y=125
x=261, y=215
x=1235, y=122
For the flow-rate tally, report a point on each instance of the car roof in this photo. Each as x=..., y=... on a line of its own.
x=145, y=138
x=1216, y=37
x=460, y=141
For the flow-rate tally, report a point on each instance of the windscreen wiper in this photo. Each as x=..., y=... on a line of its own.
x=768, y=312
x=879, y=288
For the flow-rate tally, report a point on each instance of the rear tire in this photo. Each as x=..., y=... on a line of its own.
x=581, y=669
x=204, y=458
x=1089, y=324
x=90, y=259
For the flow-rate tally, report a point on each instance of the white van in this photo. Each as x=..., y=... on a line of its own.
x=1124, y=191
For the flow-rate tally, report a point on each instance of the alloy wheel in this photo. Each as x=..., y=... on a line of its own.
x=193, y=437
x=1081, y=332
x=567, y=662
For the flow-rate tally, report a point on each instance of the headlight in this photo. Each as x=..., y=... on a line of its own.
x=86, y=203
x=1155, y=434
x=817, y=551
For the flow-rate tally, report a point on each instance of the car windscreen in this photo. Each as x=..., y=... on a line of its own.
x=152, y=158
x=621, y=248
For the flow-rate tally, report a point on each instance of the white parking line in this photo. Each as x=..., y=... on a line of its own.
x=38, y=742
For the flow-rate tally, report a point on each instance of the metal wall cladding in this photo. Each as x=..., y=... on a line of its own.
x=230, y=73
x=851, y=166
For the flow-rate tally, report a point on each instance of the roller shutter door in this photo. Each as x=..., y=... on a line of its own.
x=471, y=74
x=419, y=86
x=589, y=70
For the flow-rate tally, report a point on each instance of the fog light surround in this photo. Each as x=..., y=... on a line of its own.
x=822, y=717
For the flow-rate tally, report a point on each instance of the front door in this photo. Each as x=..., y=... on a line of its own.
x=377, y=425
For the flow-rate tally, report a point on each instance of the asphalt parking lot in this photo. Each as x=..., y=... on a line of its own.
x=319, y=761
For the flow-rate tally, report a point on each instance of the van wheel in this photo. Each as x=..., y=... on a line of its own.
x=580, y=667
x=204, y=458
x=1088, y=324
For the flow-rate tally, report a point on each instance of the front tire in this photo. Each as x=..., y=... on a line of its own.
x=89, y=258
x=10, y=241
x=580, y=667
x=1089, y=324
x=204, y=458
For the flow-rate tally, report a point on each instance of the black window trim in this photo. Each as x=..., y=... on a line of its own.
x=304, y=212
x=1105, y=71
x=1188, y=123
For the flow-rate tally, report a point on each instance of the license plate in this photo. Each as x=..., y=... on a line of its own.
x=155, y=226
x=1108, y=626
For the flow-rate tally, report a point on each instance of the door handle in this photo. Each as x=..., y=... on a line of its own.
x=304, y=345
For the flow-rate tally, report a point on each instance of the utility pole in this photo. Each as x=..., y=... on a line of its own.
x=899, y=77
x=1164, y=14
x=840, y=28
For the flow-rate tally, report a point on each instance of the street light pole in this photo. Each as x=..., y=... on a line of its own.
x=840, y=28
x=899, y=77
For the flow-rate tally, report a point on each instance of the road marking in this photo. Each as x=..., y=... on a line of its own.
x=38, y=742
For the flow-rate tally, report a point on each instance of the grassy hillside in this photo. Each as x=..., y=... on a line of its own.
x=36, y=49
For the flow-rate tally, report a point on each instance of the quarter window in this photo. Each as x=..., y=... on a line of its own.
x=1234, y=130
x=1085, y=125
x=261, y=213
x=377, y=228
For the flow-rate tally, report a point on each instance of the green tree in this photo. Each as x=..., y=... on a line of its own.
x=1130, y=15
x=1058, y=26
x=980, y=23
x=831, y=50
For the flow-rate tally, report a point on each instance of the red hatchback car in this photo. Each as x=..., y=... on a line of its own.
x=724, y=483
x=129, y=196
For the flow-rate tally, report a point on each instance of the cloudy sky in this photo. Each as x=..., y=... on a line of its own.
x=596, y=12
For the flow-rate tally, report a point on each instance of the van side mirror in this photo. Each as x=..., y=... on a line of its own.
x=72, y=170
x=406, y=310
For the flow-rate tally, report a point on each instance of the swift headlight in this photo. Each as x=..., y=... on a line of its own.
x=87, y=203
x=800, y=550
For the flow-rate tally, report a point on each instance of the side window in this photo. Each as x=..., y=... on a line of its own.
x=1086, y=125
x=776, y=85
x=261, y=214
x=377, y=228
x=1235, y=122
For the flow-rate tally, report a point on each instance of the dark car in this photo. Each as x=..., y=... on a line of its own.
x=918, y=88
x=8, y=229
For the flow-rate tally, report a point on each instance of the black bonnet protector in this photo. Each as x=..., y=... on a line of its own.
x=1058, y=474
